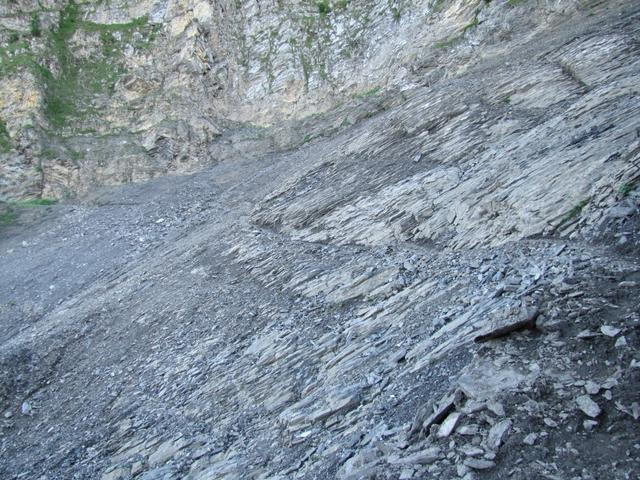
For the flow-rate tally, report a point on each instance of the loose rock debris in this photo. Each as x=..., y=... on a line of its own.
x=340, y=311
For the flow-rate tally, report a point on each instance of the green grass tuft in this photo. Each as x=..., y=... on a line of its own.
x=61, y=91
x=369, y=93
x=626, y=188
x=5, y=141
x=575, y=211
x=323, y=7
x=36, y=202
x=68, y=21
x=69, y=90
x=341, y=4
x=7, y=217
x=474, y=23
x=448, y=43
x=115, y=27
x=35, y=25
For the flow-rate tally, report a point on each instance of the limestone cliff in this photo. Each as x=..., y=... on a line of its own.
x=108, y=92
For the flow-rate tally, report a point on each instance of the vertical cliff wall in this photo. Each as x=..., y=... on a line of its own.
x=107, y=92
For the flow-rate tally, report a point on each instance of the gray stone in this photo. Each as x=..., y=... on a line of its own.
x=472, y=451
x=406, y=474
x=621, y=211
x=448, y=424
x=118, y=473
x=479, y=463
x=496, y=408
x=471, y=429
x=526, y=320
x=497, y=434
x=424, y=420
x=423, y=457
x=167, y=450
x=591, y=387
x=621, y=342
x=301, y=250
x=589, y=424
x=588, y=406
x=609, y=331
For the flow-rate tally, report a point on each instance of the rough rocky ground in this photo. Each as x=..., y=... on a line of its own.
x=444, y=287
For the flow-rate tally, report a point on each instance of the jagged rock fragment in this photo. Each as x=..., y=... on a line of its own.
x=589, y=425
x=497, y=433
x=424, y=419
x=591, y=387
x=525, y=321
x=496, y=408
x=588, y=406
x=423, y=457
x=472, y=451
x=609, y=331
x=449, y=424
x=621, y=342
x=471, y=429
x=479, y=463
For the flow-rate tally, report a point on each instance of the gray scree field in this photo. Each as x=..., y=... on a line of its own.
x=388, y=241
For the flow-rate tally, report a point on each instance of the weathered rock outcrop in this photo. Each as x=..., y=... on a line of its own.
x=98, y=93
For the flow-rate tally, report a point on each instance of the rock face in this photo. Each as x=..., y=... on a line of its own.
x=410, y=250
x=97, y=93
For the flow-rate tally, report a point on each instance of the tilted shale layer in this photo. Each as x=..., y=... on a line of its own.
x=446, y=288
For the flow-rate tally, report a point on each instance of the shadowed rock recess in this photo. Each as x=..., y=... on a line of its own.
x=282, y=239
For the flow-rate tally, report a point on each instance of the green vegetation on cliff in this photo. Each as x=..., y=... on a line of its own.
x=37, y=202
x=68, y=93
x=70, y=83
x=5, y=143
x=60, y=89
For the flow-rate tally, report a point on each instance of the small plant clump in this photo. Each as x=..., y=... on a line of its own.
x=37, y=202
x=35, y=25
x=474, y=23
x=341, y=4
x=626, y=188
x=575, y=211
x=368, y=93
x=6, y=217
x=115, y=27
x=8, y=210
x=448, y=43
x=323, y=7
x=5, y=143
